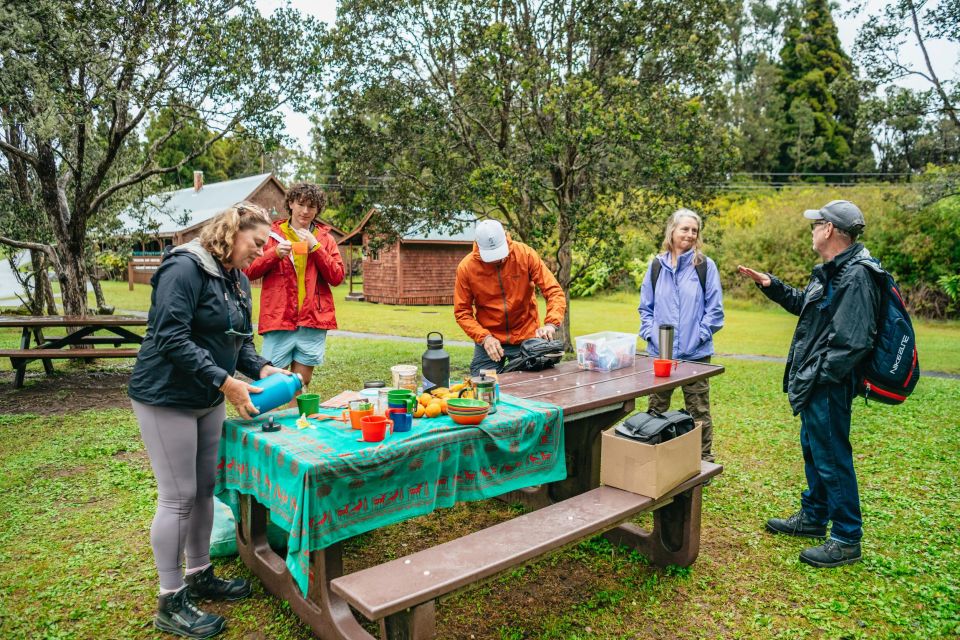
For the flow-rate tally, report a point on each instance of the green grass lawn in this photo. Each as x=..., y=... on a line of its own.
x=77, y=497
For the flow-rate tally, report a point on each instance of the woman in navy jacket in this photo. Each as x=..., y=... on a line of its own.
x=199, y=332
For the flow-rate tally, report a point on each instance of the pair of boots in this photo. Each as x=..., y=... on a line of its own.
x=177, y=613
x=831, y=553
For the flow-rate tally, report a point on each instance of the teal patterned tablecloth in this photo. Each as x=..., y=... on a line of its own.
x=322, y=486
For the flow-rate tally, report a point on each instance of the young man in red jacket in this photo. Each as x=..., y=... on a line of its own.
x=300, y=263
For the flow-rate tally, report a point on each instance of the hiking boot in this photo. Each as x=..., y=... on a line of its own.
x=831, y=553
x=204, y=585
x=176, y=614
x=797, y=525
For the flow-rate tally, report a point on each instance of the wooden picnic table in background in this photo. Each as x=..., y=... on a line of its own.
x=78, y=343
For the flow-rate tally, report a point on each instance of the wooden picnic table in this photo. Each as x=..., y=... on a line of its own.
x=79, y=341
x=572, y=509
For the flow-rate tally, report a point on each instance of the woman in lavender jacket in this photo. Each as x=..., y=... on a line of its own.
x=677, y=298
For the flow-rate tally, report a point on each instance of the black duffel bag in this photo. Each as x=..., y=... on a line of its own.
x=654, y=427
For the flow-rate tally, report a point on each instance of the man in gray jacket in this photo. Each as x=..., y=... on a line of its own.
x=836, y=330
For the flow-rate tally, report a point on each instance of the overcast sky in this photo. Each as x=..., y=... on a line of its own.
x=944, y=57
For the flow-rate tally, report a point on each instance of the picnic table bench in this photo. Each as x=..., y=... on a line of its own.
x=401, y=594
x=78, y=343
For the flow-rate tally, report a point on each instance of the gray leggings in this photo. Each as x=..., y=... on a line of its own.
x=182, y=445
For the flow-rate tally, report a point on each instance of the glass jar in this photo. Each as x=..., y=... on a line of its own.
x=404, y=376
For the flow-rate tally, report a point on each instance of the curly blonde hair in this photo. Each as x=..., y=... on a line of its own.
x=673, y=222
x=218, y=236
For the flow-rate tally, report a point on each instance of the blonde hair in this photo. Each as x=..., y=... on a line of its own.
x=673, y=222
x=218, y=236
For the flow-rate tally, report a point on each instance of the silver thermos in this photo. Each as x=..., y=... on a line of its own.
x=666, y=341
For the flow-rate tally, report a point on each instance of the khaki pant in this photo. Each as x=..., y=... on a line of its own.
x=696, y=398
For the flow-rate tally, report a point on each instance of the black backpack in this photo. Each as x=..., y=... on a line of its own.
x=536, y=354
x=657, y=267
x=891, y=371
x=654, y=427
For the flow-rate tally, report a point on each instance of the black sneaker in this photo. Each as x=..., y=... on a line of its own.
x=797, y=525
x=178, y=615
x=831, y=553
x=204, y=585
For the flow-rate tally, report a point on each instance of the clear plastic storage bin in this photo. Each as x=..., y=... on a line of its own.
x=606, y=350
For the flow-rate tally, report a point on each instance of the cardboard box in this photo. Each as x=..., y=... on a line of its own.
x=650, y=470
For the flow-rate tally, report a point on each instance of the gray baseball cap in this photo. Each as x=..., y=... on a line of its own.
x=842, y=213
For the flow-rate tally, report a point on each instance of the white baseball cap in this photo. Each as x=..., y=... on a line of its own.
x=492, y=241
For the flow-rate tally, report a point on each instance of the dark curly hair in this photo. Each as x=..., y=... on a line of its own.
x=306, y=193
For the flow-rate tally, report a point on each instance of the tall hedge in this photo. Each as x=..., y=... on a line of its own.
x=767, y=231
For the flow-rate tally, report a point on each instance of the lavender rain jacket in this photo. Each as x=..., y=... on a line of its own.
x=681, y=302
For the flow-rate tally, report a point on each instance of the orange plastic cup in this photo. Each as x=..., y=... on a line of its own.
x=356, y=416
x=300, y=248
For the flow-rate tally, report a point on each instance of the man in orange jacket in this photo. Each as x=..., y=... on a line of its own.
x=494, y=299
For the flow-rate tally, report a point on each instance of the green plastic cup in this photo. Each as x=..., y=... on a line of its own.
x=308, y=403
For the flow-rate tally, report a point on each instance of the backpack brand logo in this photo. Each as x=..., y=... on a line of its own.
x=903, y=345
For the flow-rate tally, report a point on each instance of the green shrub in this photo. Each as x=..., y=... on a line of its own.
x=919, y=245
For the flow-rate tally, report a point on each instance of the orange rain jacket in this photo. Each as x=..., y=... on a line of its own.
x=500, y=299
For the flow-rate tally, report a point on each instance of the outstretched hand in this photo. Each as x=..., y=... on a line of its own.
x=760, y=278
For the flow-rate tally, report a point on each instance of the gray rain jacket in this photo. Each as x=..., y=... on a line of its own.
x=837, y=325
x=186, y=353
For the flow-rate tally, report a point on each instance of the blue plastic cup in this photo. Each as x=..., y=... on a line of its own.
x=402, y=421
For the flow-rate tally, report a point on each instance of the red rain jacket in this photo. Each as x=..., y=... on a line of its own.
x=278, y=294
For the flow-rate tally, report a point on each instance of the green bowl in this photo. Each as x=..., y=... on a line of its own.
x=467, y=403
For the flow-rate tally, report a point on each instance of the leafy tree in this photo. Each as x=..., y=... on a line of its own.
x=567, y=120
x=897, y=121
x=78, y=79
x=818, y=86
x=220, y=158
x=884, y=36
x=757, y=108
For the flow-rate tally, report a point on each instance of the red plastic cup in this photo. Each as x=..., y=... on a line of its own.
x=661, y=367
x=373, y=428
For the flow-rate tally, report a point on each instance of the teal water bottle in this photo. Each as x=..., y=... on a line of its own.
x=278, y=390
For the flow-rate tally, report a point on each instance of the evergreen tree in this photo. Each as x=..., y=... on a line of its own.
x=816, y=79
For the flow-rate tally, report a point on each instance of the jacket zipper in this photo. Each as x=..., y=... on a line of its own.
x=503, y=291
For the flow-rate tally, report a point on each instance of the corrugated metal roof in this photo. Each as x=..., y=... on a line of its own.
x=443, y=233
x=198, y=206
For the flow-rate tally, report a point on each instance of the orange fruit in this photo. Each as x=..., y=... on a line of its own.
x=425, y=399
x=443, y=406
x=433, y=410
x=419, y=411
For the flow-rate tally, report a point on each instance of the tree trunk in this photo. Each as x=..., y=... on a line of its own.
x=44, y=282
x=73, y=282
x=39, y=298
x=68, y=230
x=98, y=292
x=564, y=273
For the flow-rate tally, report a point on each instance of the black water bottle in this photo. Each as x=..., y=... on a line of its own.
x=435, y=364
